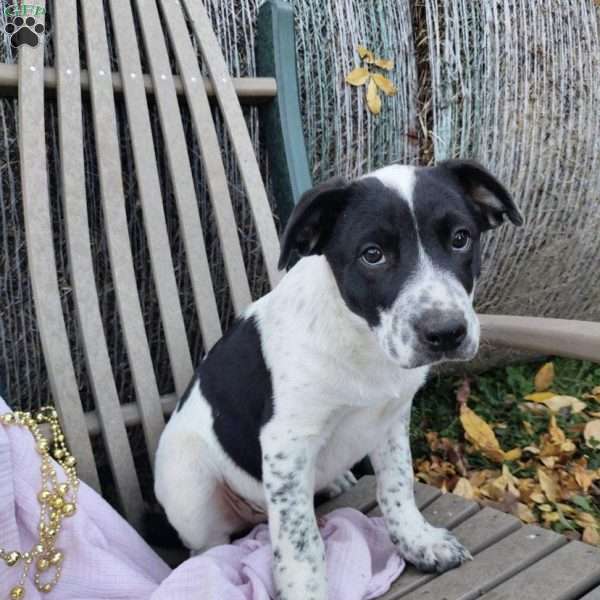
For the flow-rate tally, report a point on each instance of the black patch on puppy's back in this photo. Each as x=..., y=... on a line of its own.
x=236, y=382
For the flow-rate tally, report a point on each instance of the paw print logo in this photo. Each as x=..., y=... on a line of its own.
x=24, y=31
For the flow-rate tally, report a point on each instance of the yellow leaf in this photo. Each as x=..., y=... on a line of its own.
x=358, y=76
x=384, y=63
x=513, y=454
x=591, y=433
x=531, y=449
x=365, y=54
x=545, y=507
x=525, y=513
x=556, y=403
x=528, y=427
x=480, y=434
x=384, y=84
x=544, y=377
x=373, y=99
x=548, y=485
x=557, y=435
x=596, y=415
x=549, y=461
x=540, y=396
x=464, y=488
x=591, y=536
x=584, y=519
x=551, y=517
x=538, y=497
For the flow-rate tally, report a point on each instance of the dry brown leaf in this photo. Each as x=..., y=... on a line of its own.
x=544, y=377
x=595, y=395
x=523, y=512
x=514, y=454
x=373, y=99
x=358, y=76
x=591, y=433
x=584, y=519
x=528, y=427
x=591, y=536
x=549, y=461
x=556, y=403
x=538, y=497
x=540, y=396
x=480, y=434
x=365, y=54
x=464, y=488
x=596, y=415
x=551, y=517
x=384, y=84
x=384, y=63
x=548, y=485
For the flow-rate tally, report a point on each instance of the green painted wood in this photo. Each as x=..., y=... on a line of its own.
x=276, y=57
x=563, y=575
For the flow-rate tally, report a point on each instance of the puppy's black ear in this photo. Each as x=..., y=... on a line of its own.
x=312, y=219
x=489, y=195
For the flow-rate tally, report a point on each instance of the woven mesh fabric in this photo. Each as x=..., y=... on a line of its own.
x=512, y=83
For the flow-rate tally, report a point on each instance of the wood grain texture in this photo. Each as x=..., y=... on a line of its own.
x=180, y=171
x=42, y=262
x=238, y=133
x=148, y=408
x=212, y=161
x=98, y=365
x=563, y=575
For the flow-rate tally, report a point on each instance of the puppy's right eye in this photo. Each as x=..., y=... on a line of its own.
x=373, y=255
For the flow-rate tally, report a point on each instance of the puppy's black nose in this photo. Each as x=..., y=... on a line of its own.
x=442, y=335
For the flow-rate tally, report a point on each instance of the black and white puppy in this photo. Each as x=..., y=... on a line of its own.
x=322, y=371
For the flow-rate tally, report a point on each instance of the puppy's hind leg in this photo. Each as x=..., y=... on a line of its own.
x=188, y=488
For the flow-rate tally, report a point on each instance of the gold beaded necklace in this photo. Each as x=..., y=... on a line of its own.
x=57, y=501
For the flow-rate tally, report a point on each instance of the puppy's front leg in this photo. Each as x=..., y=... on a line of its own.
x=298, y=550
x=428, y=548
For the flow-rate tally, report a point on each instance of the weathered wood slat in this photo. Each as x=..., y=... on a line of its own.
x=563, y=575
x=150, y=193
x=80, y=259
x=483, y=529
x=238, y=133
x=148, y=407
x=494, y=565
x=41, y=259
x=181, y=172
x=249, y=90
x=212, y=161
x=361, y=497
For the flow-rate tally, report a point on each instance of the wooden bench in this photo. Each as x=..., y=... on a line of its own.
x=506, y=555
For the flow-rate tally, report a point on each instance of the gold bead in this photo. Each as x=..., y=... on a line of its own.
x=12, y=559
x=69, y=509
x=8, y=418
x=43, y=564
x=39, y=549
x=42, y=446
x=63, y=489
x=44, y=496
x=60, y=437
x=56, y=558
x=57, y=502
x=58, y=454
x=70, y=461
x=17, y=592
x=51, y=532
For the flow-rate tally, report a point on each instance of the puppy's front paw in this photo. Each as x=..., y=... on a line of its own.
x=340, y=485
x=433, y=550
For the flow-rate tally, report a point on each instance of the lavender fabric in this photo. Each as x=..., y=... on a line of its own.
x=105, y=558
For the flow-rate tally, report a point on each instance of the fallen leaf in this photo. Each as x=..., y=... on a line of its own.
x=591, y=536
x=544, y=377
x=595, y=395
x=480, y=434
x=384, y=84
x=464, y=488
x=365, y=54
x=596, y=415
x=523, y=512
x=549, y=461
x=548, y=485
x=556, y=403
x=514, y=454
x=528, y=427
x=540, y=396
x=591, y=433
x=384, y=63
x=538, y=497
x=551, y=517
x=373, y=99
x=584, y=519
x=358, y=76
